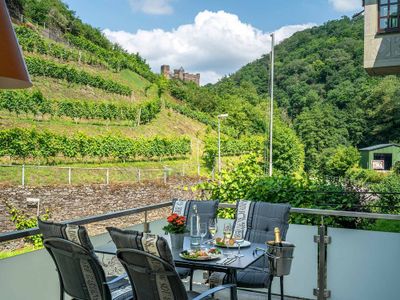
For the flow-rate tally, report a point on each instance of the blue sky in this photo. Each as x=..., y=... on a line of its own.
x=213, y=37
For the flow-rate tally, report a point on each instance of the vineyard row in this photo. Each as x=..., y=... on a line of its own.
x=30, y=143
x=35, y=103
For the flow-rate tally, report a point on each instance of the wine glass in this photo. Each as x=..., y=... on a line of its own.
x=203, y=231
x=239, y=236
x=227, y=231
x=212, y=227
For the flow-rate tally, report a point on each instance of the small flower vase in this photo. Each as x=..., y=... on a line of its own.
x=177, y=240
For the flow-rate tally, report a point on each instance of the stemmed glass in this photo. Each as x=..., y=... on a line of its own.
x=203, y=231
x=213, y=227
x=227, y=232
x=239, y=236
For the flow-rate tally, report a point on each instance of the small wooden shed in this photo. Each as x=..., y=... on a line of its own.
x=380, y=157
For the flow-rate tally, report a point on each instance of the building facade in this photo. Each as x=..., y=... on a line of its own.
x=180, y=74
x=380, y=157
x=382, y=37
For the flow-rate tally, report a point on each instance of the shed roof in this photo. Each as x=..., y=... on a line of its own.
x=376, y=147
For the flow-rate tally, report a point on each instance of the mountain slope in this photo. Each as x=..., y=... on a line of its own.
x=323, y=89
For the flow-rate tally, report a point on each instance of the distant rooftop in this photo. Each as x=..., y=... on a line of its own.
x=370, y=148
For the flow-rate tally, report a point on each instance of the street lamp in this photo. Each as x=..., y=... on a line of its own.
x=271, y=109
x=220, y=117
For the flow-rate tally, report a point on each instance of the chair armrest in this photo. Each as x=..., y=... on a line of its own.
x=118, y=278
x=215, y=290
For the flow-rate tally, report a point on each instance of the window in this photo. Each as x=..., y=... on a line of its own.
x=389, y=16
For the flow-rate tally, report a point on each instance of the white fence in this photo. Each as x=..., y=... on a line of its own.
x=32, y=175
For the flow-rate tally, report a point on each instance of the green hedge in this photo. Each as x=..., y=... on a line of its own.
x=32, y=41
x=24, y=102
x=288, y=152
x=42, y=67
x=31, y=143
x=199, y=116
x=117, y=58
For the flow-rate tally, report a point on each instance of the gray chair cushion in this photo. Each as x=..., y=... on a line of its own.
x=251, y=277
x=73, y=233
x=140, y=241
x=81, y=273
x=121, y=289
x=261, y=218
x=149, y=264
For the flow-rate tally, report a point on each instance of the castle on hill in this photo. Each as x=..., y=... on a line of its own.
x=180, y=74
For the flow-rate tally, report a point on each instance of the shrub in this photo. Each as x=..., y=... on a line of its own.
x=337, y=161
x=288, y=152
x=23, y=221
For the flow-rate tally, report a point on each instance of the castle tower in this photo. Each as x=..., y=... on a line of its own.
x=165, y=71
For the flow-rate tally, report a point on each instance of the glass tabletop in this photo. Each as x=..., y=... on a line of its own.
x=227, y=261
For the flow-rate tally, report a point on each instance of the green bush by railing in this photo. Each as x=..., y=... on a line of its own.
x=31, y=143
x=35, y=103
x=288, y=152
x=116, y=58
x=31, y=41
x=42, y=67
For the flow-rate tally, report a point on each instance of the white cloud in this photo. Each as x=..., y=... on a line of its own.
x=346, y=5
x=216, y=44
x=152, y=7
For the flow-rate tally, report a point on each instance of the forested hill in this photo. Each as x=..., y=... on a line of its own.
x=321, y=85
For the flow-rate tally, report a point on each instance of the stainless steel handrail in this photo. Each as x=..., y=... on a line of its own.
x=329, y=212
x=12, y=235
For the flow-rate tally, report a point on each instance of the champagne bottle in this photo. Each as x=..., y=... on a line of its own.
x=278, y=239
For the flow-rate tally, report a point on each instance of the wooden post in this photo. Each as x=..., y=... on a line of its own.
x=23, y=175
x=69, y=176
x=108, y=176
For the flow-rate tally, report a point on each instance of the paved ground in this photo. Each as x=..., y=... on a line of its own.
x=198, y=286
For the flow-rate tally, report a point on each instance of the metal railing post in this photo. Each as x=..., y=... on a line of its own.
x=146, y=225
x=138, y=175
x=322, y=239
x=23, y=175
x=108, y=176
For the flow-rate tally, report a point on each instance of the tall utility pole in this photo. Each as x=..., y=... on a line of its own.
x=271, y=109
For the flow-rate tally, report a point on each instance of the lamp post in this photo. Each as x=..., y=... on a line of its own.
x=220, y=117
x=271, y=110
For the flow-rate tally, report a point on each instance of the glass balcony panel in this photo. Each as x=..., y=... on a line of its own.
x=363, y=264
x=303, y=276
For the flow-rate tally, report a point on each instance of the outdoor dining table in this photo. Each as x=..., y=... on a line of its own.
x=250, y=255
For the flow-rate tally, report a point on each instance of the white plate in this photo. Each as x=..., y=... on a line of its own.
x=201, y=258
x=234, y=246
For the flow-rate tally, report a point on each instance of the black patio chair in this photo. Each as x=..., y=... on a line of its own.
x=80, y=274
x=206, y=209
x=259, y=220
x=148, y=261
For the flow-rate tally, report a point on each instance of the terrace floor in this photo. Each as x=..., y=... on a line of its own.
x=198, y=286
